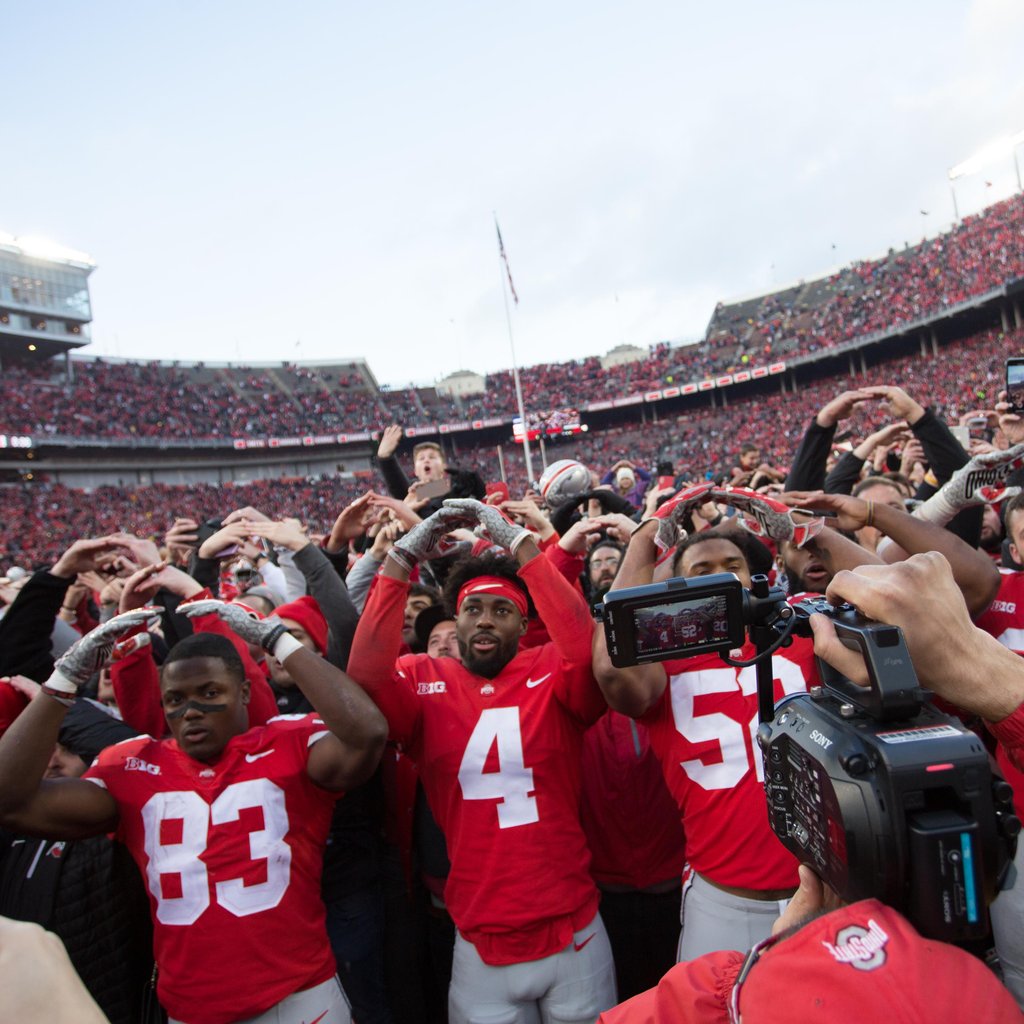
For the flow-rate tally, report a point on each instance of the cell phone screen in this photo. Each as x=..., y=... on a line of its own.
x=433, y=489
x=1015, y=383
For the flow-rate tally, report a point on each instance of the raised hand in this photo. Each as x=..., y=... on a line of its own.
x=92, y=652
x=264, y=632
x=428, y=539
x=492, y=522
x=389, y=438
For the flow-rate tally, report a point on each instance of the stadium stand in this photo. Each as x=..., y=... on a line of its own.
x=113, y=401
x=39, y=520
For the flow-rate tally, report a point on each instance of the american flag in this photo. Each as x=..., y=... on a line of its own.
x=508, y=269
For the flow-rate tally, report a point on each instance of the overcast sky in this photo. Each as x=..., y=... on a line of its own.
x=316, y=180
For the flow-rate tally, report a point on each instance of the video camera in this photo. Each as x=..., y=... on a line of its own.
x=879, y=792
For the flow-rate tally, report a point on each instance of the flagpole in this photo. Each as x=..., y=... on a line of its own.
x=502, y=258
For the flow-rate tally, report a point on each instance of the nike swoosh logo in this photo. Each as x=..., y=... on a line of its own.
x=531, y=683
x=255, y=757
x=320, y=1018
x=485, y=586
x=580, y=945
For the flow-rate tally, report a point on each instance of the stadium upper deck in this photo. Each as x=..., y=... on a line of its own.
x=981, y=259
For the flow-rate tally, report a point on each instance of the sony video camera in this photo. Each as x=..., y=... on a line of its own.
x=879, y=792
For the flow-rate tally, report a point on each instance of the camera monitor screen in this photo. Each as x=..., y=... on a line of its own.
x=681, y=624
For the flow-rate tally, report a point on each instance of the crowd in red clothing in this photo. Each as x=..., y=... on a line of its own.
x=979, y=254
x=194, y=403
x=38, y=521
x=152, y=400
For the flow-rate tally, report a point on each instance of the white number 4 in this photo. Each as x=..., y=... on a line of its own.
x=512, y=783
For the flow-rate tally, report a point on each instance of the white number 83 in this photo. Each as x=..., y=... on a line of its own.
x=181, y=858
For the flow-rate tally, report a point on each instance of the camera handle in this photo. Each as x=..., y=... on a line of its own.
x=893, y=693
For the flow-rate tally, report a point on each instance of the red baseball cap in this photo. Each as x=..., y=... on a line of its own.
x=864, y=962
x=868, y=962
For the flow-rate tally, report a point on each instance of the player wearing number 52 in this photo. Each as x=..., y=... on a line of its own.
x=227, y=824
x=701, y=715
x=497, y=739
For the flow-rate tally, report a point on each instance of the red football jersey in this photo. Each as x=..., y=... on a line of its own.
x=500, y=762
x=232, y=855
x=1004, y=619
x=628, y=814
x=703, y=730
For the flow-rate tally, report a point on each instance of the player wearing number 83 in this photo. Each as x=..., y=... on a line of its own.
x=498, y=741
x=227, y=824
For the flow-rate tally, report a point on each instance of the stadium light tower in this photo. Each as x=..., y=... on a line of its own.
x=998, y=149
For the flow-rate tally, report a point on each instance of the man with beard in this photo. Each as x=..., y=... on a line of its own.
x=497, y=740
x=602, y=567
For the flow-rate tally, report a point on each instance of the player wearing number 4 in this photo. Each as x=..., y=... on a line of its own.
x=498, y=741
x=227, y=824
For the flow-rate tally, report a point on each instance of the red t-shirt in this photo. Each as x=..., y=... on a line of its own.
x=1004, y=617
x=703, y=731
x=232, y=854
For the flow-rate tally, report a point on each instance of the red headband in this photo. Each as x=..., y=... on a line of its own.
x=497, y=587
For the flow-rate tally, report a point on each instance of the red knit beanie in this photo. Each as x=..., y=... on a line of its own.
x=306, y=612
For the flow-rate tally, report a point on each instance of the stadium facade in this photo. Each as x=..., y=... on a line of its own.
x=44, y=299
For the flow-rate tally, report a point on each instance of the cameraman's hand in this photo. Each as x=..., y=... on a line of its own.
x=811, y=898
x=951, y=656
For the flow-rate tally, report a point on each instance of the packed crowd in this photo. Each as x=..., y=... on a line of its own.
x=38, y=521
x=197, y=403
x=525, y=820
x=980, y=253
x=194, y=403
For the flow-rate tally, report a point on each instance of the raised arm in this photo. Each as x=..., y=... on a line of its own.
x=57, y=808
x=358, y=730
x=631, y=690
x=322, y=582
x=973, y=571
